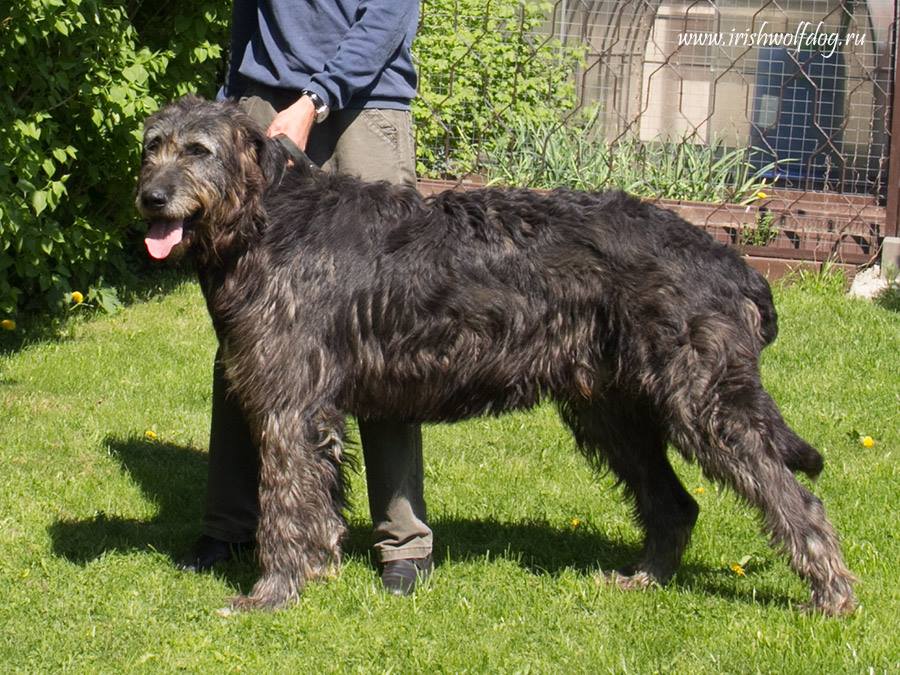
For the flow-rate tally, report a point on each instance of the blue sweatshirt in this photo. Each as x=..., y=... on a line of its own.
x=352, y=53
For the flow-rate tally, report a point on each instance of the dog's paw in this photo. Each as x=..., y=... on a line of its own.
x=638, y=581
x=251, y=603
x=833, y=598
x=836, y=605
x=271, y=591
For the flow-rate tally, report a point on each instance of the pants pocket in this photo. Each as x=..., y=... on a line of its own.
x=382, y=126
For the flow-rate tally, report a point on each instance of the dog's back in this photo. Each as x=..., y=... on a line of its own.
x=512, y=238
x=621, y=232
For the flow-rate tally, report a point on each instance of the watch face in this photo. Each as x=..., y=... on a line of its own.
x=320, y=106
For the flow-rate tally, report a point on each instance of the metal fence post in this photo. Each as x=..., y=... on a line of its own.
x=892, y=216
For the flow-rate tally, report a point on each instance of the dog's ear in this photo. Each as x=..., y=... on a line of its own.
x=271, y=158
x=265, y=153
x=256, y=155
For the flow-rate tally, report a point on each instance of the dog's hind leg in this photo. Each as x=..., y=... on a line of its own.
x=624, y=434
x=301, y=501
x=733, y=434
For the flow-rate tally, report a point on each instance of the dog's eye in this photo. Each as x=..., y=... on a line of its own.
x=152, y=145
x=196, y=150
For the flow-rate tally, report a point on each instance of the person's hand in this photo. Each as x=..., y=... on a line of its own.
x=295, y=122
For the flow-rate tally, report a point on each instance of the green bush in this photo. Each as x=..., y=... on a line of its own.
x=483, y=65
x=76, y=80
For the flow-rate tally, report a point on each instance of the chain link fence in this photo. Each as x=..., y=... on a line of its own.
x=766, y=122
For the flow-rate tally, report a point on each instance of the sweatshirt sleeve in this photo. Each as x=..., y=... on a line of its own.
x=375, y=36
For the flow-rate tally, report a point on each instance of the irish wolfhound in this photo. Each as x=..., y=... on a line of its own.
x=331, y=296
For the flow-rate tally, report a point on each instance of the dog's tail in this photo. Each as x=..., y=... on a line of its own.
x=762, y=317
x=768, y=325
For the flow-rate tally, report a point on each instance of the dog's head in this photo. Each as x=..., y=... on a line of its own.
x=205, y=166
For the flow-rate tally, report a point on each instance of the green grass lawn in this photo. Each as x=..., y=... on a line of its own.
x=92, y=510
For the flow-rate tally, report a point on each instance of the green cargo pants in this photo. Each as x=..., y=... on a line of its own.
x=373, y=144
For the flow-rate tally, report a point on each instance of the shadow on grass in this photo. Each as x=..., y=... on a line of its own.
x=174, y=477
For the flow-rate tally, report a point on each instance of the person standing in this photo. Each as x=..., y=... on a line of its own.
x=335, y=77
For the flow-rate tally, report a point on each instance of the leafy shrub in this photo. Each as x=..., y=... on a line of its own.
x=192, y=38
x=481, y=67
x=77, y=78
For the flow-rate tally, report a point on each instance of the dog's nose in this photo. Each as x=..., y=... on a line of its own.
x=154, y=199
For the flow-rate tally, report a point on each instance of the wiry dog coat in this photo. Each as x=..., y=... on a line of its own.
x=333, y=296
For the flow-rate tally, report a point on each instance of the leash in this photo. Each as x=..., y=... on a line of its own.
x=300, y=158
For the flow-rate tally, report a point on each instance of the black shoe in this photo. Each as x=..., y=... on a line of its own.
x=209, y=551
x=399, y=577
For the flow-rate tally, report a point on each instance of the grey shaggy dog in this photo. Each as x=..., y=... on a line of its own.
x=331, y=296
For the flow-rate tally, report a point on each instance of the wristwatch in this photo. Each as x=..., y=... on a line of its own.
x=321, y=107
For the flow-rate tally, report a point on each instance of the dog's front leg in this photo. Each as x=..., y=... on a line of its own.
x=301, y=499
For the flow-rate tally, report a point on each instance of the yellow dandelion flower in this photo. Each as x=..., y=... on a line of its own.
x=8, y=324
x=150, y=435
x=761, y=195
x=575, y=522
x=737, y=569
x=77, y=297
x=867, y=441
x=699, y=490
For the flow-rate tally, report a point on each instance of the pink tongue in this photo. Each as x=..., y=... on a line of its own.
x=163, y=237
